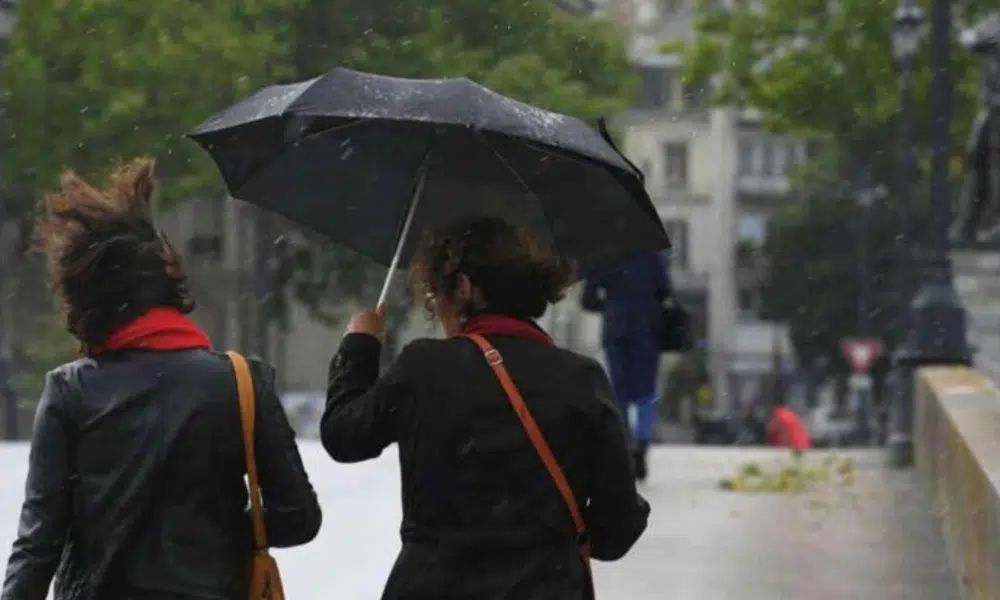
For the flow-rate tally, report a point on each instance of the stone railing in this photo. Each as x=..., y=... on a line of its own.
x=957, y=449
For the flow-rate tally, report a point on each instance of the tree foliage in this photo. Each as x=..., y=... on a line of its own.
x=819, y=253
x=816, y=67
x=826, y=70
x=90, y=81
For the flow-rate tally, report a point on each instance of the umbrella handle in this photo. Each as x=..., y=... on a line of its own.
x=404, y=233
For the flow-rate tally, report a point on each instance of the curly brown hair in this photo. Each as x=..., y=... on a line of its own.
x=108, y=263
x=514, y=274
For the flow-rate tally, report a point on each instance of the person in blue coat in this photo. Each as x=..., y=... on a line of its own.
x=629, y=298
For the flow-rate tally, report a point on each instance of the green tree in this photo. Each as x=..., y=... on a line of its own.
x=821, y=68
x=89, y=82
x=827, y=71
x=817, y=253
x=529, y=50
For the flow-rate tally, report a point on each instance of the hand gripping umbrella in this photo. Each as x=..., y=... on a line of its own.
x=375, y=162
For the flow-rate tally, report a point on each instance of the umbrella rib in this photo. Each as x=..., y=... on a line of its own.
x=517, y=176
x=352, y=123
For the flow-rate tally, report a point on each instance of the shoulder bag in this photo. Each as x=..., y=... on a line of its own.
x=265, y=579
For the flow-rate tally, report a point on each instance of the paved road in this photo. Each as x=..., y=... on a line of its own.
x=874, y=541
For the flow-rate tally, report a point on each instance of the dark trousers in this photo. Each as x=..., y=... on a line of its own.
x=633, y=362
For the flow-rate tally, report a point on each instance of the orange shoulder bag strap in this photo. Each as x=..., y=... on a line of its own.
x=537, y=440
x=244, y=385
x=265, y=579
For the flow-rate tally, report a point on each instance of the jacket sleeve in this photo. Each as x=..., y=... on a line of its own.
x=616, y=515
x=292, y=513
x=46, y=512
x=360, y=417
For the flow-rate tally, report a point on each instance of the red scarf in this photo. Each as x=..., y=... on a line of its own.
x=158, y=329
x=487, y=325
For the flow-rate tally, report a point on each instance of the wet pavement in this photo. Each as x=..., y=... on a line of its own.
x=876, y=539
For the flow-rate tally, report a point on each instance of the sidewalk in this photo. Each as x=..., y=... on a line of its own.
x=876, y=540
x=673, y=434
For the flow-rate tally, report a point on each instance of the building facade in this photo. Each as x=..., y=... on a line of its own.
x=218, y=238
x=716, y=178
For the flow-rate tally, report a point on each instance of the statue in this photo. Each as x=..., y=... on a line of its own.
x=979, y=213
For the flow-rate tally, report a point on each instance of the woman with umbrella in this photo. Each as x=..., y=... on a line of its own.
x=496, y=503
x=481, y=515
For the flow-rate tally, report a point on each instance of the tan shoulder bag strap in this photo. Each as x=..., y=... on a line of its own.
x=244, y=385
x=537, y=440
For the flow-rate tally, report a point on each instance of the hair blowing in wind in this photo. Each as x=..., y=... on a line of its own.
x=107, y=261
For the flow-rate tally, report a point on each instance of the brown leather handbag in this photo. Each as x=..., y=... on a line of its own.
x=265, y=580
x=541, y=447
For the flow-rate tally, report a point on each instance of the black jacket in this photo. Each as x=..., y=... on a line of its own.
x=482, y=518
x=135, y=484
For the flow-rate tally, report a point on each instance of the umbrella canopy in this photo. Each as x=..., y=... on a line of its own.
x=346, y=154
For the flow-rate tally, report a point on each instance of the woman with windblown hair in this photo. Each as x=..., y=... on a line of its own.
x=135, y=484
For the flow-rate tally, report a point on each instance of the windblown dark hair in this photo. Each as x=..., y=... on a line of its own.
x=107, y=261
x=515, y=275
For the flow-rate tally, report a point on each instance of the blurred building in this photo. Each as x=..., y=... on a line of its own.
x=716, y=178
x=218, y=238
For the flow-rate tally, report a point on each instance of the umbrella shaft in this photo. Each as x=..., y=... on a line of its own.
x=404, y=233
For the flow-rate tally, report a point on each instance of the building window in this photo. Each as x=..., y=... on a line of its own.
x=695, y=94
x=782, y=157
x=745, y=158
x=812, y=149
x=206, y=242
x=675, y=164
x=752, y=228
x=677, y=229
x=657, y=87
x=800, y=152
x=748, y=303
x=767, y=159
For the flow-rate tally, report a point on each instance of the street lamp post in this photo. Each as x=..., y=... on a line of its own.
x=8, y=18
x=908, y=29
x=865, y=199
x=936, y=329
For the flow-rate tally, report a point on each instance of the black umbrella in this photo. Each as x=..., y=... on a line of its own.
x=374, y=162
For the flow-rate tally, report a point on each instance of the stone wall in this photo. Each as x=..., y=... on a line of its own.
x=957, y=450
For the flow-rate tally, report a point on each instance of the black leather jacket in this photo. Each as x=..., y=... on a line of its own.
x=135, y=485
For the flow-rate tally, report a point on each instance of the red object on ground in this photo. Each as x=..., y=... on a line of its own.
x=786, y=430
x=157, y=329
